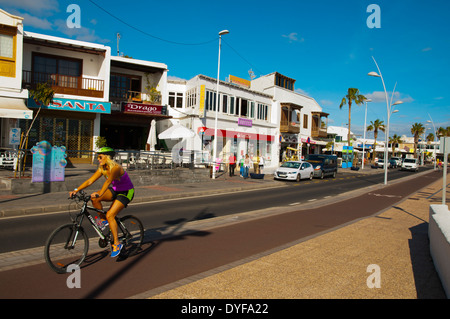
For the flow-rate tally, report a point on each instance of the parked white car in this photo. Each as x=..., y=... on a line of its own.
x=410, y=164
x=294, y=170
x=380, y=163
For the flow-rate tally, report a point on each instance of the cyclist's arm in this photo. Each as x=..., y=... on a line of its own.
x=88, y=182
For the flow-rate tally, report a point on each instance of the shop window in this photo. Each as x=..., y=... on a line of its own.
x=74, y=134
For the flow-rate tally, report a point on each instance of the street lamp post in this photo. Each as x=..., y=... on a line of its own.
x=217, y=106
x=389, y=113
x=364, y=138
x=434, y=142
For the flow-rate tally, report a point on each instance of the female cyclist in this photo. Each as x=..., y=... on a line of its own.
x=117, y=188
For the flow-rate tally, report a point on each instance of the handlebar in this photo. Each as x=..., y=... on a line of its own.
x=82, y=196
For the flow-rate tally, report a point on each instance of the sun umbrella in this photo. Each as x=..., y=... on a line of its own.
x=176, y=132
x=152, y=136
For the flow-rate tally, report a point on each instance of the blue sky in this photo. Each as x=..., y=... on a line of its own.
x=326, y=45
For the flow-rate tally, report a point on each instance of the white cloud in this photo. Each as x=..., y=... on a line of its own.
x=302, y=92
x=32, y=21
x=175, y=78
x=293, y=37
x=82, y=34
x=327, y=102
x=379, y=96
x=426, y=49
x=42, y=7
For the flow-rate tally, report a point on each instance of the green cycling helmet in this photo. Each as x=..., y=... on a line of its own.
x=107, y=151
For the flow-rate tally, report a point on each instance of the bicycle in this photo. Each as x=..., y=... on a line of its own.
x=69, y=244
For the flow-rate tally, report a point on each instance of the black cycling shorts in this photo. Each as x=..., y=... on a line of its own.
x=123, y=196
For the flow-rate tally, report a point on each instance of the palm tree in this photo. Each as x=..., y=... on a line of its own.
x=352, y=96
x=417, y=129
x=375, y=126
x=443, y=131
x=395, y=140
x=430, y=138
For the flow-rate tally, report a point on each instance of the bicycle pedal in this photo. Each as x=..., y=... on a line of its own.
x=103, y=243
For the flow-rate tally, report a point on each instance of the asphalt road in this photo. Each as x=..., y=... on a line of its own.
x=166, y=261
x=32, y=231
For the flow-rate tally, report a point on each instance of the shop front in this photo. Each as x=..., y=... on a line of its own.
x=65, y=122
x=238, y=143
x=128, y=125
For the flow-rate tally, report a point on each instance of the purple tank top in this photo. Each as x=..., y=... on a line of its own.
x=123, y=184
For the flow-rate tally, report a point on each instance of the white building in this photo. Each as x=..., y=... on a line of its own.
x=78, y=72
x=300, y=117
x=263, y=116
x=245, y=124
x=12, y=95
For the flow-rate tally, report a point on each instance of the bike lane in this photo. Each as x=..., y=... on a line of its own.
x=166, y=261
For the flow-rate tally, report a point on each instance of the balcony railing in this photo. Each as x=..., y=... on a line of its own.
x=318, y=132
x=117, y=95
x=289, y=127
x=65, y=84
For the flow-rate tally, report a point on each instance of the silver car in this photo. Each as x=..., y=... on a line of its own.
x=294, y=170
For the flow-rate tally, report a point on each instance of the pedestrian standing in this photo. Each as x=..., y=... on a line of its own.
x=261, y=164
x=232, y=164
x=246, y=165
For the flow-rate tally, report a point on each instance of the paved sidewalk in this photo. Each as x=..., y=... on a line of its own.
x=337, y=264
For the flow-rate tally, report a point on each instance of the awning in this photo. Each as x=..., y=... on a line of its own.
x=235, y=134
x=14, y=108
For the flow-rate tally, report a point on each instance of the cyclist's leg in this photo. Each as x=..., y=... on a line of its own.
x=108, y=196
x=115, y=208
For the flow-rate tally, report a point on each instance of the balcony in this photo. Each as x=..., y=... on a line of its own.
x=289, y=127
x=319, y=132
x=319, y=126
x=290, y=118
x=65, y=84
x=124, y=95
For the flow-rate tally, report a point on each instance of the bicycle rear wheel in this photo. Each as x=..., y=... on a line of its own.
x=66, y=245
x=131, y=234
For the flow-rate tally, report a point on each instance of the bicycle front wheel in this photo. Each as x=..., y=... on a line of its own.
x=66, y=245
x=131, y=234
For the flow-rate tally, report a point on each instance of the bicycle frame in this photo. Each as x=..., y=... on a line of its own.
x=85, y=211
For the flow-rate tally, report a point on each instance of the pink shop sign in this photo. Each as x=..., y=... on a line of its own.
x=245, y=122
